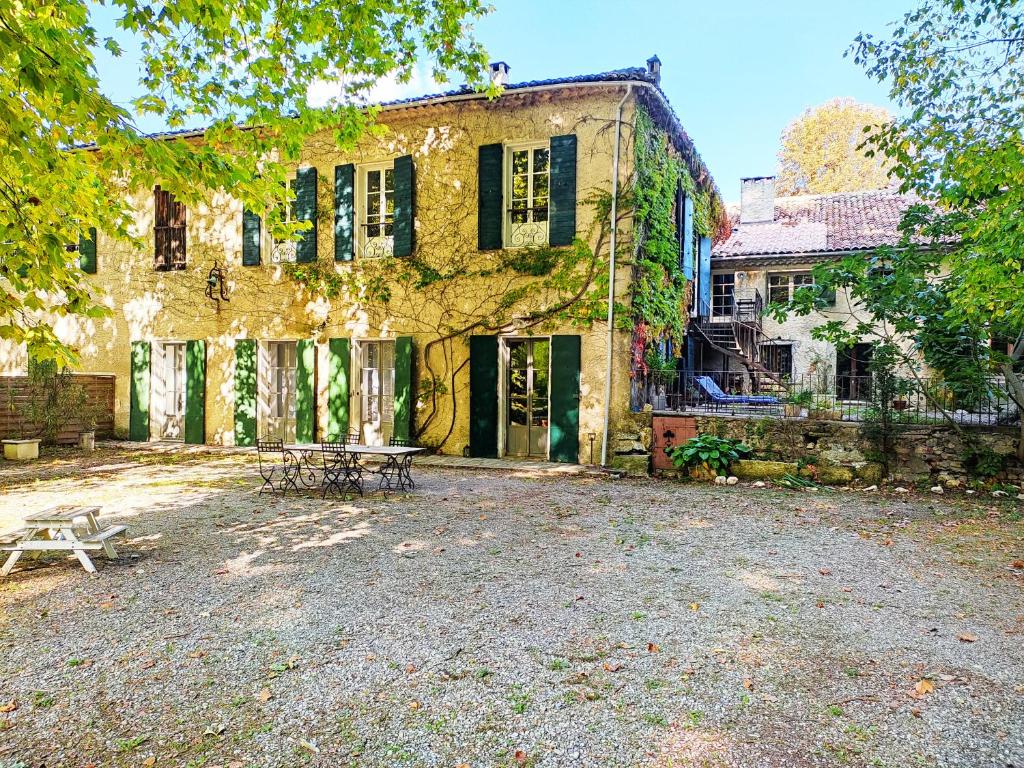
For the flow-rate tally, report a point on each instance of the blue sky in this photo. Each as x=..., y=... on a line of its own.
x=736, y=71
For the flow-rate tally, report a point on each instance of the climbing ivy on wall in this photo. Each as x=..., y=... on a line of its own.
x=660, y=297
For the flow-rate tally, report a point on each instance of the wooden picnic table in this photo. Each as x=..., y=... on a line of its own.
x=60, y=528
x=395, y=471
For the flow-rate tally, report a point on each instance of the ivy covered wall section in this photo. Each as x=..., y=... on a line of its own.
x=661, y=292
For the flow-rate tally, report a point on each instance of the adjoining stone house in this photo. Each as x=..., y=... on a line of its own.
x=445, y=291
x=774, y=244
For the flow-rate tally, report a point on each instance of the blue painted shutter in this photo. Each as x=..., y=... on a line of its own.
x=250, y=239
x=687, y=236
x=344, y=212
x=705, y=276
x=489, y=196
x=305, y=210
x=405, y=201
x=562, y=213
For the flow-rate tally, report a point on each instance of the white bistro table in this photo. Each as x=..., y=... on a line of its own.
x=61, y=528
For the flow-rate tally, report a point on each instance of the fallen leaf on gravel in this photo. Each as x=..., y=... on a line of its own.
x=265, y=695
x=923, y=687
x=520, y=756
x=10, y=706
x=847, y=589
x=915, y=712
x=236, y=764
x=148, y=664
x=748, y=683
x=414, y=705
x=1017, y=564
x=462, y=765
x=653, y=648
x=612, y=666
x=967, y=637
x=694, y=606
x=197, y=654
x=821, y=604
x=825, y=571
x=410, y=668
x=149, y=761
x=222, y=571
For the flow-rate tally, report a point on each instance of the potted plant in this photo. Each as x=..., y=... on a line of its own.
x=824, y=407
x=794, y=402
x=21, y=447
x=87, y=437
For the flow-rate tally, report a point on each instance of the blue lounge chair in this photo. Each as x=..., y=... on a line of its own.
x=718, y=397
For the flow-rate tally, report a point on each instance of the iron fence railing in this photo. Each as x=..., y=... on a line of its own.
x=825, y=396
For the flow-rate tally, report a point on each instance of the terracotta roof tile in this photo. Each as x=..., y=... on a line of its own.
x=811, y=223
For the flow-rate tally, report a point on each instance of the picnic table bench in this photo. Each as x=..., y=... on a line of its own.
x=69, y=528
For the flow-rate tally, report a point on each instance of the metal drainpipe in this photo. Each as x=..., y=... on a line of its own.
x=611, y=277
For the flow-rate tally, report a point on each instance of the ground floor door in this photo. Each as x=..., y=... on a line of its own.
x=279, y=414
x=527, y=397
x=168, y=391
x=853, y=379
x=376, y=391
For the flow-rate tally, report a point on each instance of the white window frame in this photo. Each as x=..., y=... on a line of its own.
x=527, y=234
x=358, y=412
x=790, y=281
x=265, y=389
x=158, y=393
x=383, y=245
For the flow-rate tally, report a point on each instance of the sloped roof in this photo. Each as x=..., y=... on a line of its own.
x=849, y=221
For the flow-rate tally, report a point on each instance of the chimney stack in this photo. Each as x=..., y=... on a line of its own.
x=499, y=72
x=757, y=199
x=654, y=68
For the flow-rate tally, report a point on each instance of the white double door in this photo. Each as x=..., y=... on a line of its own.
x=167, y=391
x=373, y=402
x=277, y=383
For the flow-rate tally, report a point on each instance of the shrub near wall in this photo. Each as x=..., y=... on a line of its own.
x=99, y=391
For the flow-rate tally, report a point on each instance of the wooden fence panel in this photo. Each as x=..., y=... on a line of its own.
x=14, y=400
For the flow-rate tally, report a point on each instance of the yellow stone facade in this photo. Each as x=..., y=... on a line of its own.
x=265, y=303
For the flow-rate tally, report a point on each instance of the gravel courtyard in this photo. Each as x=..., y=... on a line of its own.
x=509, y=619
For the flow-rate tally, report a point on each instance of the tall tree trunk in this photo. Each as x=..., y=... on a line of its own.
x=1016, y=387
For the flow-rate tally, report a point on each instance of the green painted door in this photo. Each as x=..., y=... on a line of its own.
x=138, y=415
x=565, y=399
x=483, y=396
x=402, y=427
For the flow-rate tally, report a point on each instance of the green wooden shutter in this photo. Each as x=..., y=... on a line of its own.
x=483, y=396
x=405, y=202
x=305, y=210
x=489, y=202
x=245, y=392
x=562, y=214
x=87, y=252
x=403, y=388
x=138, y=412
x=564, y=430
x=339, y=355
x=250, y=238
x=195, y=392
x=305, y=391
x=344, y=212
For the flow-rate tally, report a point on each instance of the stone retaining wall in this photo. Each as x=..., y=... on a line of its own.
x=936, y=453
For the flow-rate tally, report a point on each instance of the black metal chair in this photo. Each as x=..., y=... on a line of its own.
x=342, y=470
x=398, y=472
x=275, y=461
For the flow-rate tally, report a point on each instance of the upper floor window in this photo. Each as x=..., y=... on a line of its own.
x=281, y=251
x=723, y=289
x=782, y=286
x=377, y=193
x=168, y=231
x=527, y=183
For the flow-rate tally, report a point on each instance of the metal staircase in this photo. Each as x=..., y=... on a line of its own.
x=739, y=337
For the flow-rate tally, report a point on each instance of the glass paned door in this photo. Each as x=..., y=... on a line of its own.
x=377, y=391
x=280, y=424
x=173, y=427
x=527, y=397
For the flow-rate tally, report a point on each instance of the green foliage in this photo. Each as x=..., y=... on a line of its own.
x=715, y=453
x=803, y=398
x=53, y=400
x=984, y=462
x=243, y=69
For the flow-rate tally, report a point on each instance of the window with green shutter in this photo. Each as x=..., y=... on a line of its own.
x=87, y=251
x=251, y=239
x=563, y=190
x=405, y=198
x=245, y=392
x=338, y=389
x=344, y=212
x=138, y=409
x=483, y=396
x=564, y=429
x=195, y=392
x=489, y=196
x=305, y=210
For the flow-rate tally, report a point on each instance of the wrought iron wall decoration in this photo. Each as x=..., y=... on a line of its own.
x=215, y=282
